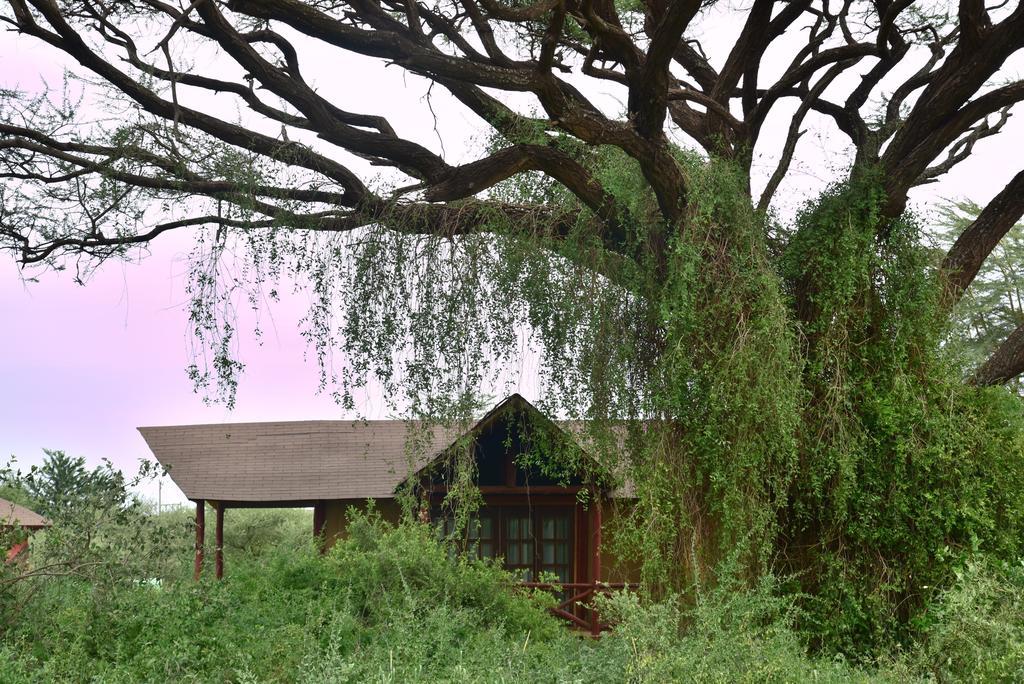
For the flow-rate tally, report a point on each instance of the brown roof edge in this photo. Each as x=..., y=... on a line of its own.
x=252, y=423
x=15, y=515
x=296, y=461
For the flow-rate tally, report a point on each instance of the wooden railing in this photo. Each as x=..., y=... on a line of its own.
x=574, y=609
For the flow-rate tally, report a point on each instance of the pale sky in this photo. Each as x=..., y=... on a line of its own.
x=82, y=367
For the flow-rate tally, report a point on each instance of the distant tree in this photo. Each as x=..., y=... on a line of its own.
x=11, y=486
x=63, y=485
x=101, y=532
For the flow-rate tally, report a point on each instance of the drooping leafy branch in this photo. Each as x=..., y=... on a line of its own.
x=93, y=181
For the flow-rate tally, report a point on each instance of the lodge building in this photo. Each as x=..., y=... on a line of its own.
x=545, y=498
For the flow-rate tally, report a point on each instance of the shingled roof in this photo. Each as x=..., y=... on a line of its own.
x=291, y=461
x=13, y=515
x=304, y=461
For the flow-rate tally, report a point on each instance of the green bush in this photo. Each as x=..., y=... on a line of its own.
x=257, y=530
x=975, y=631
x=385, y=603
x=393, y=604
x=728, y=636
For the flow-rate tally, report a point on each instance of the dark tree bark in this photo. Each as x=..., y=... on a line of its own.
x=1005, y=364
x=486, y=53
x=970, y=250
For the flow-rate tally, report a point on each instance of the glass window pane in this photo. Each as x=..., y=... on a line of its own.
x=548, y=552
x=485, y=528
x=527, y=552
x=513, y=554
x=487, y=550
x=562, y=553
x=548, y=531
x=563, y=528
x=513, y=528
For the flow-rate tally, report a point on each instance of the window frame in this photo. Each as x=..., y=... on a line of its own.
x=500, y=515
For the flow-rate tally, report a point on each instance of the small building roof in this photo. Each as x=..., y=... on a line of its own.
x=293, y=461
x=14, y=515
x=304, y=461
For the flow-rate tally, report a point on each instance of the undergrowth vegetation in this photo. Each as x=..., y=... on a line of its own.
x=394, y=604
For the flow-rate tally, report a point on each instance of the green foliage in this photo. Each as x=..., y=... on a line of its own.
x=728, y=390
x=101, y=534
x=255, y=531
x=395, y=604
x=381, y=570
x=733, y=635
x=799, y=409
x=62, y=486
x=386, y=603
x=975, y=629
x=904, y=469
x=991, y=308
x=14, y=493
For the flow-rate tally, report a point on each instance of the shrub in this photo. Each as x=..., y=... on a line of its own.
x=729, y=635
x=975, y=631
x=387, y=603
x=394, y=604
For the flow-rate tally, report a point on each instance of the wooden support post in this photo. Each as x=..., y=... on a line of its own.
x=200, y=536
x=218, y=553
x=595, y=619
x=319, y=523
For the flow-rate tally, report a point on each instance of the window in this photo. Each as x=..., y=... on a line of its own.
x=479, y=536
x=555, y=545
x=519, y=548
x=533, y=542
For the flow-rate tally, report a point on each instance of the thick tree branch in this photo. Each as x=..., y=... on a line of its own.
x=964, y=147
x=68, y=40
x=794, y=133
x=501, y=59
x=1005, y=364
x=977, y=241
x=944, y=110
x=410, y=157
x=476, y=176
x=648, y=93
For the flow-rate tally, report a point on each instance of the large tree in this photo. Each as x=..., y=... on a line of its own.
x=791, y=393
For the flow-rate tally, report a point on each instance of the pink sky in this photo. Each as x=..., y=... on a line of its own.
x=82, y=367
